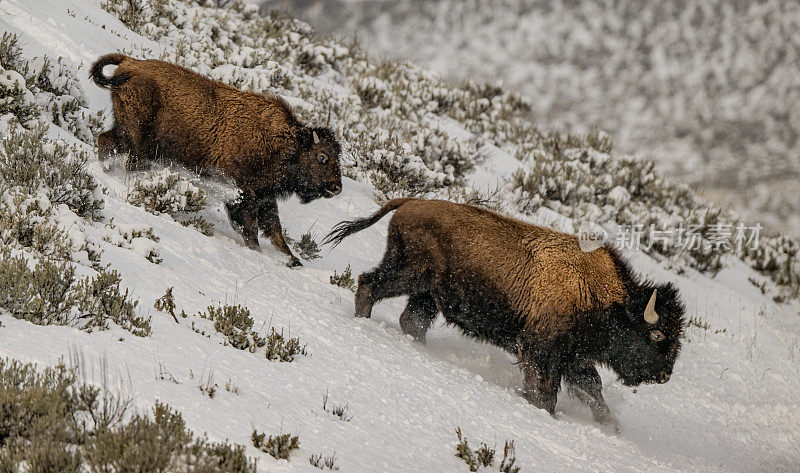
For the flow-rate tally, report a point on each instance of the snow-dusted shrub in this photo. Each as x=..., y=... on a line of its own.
x=135, y=14
x=200, y=224
x=166, y=192
x=37, y=424
x=31, y=161
x=507, y=464
x=51, y=423
x=42, y=295
x=16, y=99
x=162, y=443
x=45, y=189
x=49, y=293
x=62, y=96
x=588, y=184
x=344, y=280
x=484, y=456
x=283, y=349
x=779, y=257
x=25, y=222
x=307, y=247
x=323, y=462
x=235, y=324
x=29, y=87
x=102, y=298
x=279, y=446
x=139, y=238
x=11, y=57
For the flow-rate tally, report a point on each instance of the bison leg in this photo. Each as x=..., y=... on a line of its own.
x=541, y=379
x=584, y=383
x=243, y=214
x=136, y=105
x=419, y=315
x=271, y=225
x=106, y=144
x=377, y=285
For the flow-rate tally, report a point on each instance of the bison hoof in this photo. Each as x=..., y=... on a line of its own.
x=294, y=263
x=610, y=423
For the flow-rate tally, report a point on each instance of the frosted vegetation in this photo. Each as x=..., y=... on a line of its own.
x=706, y=88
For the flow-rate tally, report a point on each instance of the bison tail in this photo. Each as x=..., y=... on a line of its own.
x=96, y=72
x=344, y=229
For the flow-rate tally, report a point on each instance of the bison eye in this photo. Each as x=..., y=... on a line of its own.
x=656, y=335
x=322, y=158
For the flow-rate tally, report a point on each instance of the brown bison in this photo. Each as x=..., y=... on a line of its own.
x=163, y=111
x=527, y=289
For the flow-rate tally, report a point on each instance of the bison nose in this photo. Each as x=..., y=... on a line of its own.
x=663, y=377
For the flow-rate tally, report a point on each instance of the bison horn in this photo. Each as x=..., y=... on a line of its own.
x=650, y=315
x=316, y=138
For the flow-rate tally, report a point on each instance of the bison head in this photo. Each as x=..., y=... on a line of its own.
x=646, y=338
x=318, y=165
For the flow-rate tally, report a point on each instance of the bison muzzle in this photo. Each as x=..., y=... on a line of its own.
x=167, y=112
x=528, y=289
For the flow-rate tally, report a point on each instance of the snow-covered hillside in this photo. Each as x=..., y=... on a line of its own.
x=733, y=403
x=707, y=89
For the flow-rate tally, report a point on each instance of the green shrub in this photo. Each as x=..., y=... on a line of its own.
x=50, y=294
x=235, y=324
x=51, y=423
x=344, y=280
x=200, y=224
x=279, y=446
x=282, y=349
x=101, y=299
x=307, y=247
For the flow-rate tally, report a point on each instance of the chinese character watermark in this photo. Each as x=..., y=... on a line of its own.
x=694, y=237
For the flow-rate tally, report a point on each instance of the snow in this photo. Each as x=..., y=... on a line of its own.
x=733, y=403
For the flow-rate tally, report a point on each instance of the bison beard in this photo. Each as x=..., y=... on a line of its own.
x=527, y=289
x=166, y=112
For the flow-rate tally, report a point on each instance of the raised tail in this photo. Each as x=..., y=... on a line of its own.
x=344, y=229
x=96, y=72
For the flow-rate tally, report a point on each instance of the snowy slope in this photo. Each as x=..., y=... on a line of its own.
x=733, y=403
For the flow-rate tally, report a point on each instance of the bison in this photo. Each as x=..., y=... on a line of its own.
x=527, y=289
x=164, y=111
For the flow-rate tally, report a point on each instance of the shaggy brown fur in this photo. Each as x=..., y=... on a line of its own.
x=163, y=111
x=528, y=289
